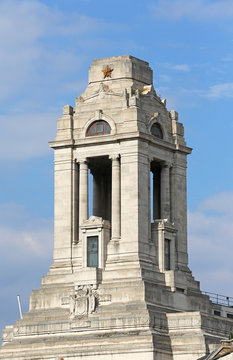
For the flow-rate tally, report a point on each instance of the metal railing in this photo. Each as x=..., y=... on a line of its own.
x=220, y=299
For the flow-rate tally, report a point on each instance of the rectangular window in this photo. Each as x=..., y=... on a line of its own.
x=216, y=312
x=230, y=316
x=92, y=251
x=167, y=254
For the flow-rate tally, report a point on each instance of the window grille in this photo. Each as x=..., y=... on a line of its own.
x=99, y=127
x=92, y=251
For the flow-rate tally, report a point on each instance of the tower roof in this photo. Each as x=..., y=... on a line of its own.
x=120, y=67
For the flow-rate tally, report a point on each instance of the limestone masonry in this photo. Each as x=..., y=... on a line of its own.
x=120, y=286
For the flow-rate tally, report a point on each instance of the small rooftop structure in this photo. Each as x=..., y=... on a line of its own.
x=225, y=351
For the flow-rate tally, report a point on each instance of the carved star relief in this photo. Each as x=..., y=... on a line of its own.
x=107, y=72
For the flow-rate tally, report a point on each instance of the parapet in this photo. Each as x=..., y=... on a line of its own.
x=120, y=67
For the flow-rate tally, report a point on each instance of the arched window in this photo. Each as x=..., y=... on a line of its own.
x=157, y=131
x=99, y=127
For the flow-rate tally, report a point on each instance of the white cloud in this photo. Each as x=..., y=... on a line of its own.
x=26, y=136
x=26, y=246
x=33, y=242
x=220, y=91
x=181, y=67
x=165, y=78
x=227, y=58
x=40, y=47
x=40, y=61
x=22, y=236
x=171, y=66
x=198, y=9
x=221, y=203
x=210, y=242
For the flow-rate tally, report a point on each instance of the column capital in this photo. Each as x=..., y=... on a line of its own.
x=114, y=157
x=152, y=158
x=82, y=161
x=149, y=159
x=167, y=164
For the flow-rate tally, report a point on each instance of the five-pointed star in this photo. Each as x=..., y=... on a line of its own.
x=107, y=72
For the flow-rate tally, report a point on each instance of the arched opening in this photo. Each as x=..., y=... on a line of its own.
x=156, y=130
x=98, y=127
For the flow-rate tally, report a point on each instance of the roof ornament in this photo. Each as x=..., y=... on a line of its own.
x=107, y=72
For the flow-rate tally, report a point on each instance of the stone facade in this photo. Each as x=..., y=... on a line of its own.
x=120, y=286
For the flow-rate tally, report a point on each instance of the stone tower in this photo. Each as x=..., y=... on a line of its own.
x=119, y=287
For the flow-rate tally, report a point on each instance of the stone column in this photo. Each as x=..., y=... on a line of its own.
x=83, y=191
x=165, y=192
x=116, y=200
x=75, y=218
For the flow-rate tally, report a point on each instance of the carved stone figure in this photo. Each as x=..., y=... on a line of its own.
x=72, y=305
x=83, y=301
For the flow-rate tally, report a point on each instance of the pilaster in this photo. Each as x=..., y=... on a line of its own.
x=116, y=198
x=83, y=191
x=165, y=192
x=63, y=210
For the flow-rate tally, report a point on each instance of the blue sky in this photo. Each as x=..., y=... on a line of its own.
x=46, y=48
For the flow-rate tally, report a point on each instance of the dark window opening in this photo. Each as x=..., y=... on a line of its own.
x=155, y=191
x=230, y=316
x=99, y=127
x=167, y=254
x=216, y=312
x=157, y=131
x=100, y=189
x=92, y=251
x=180, y=290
